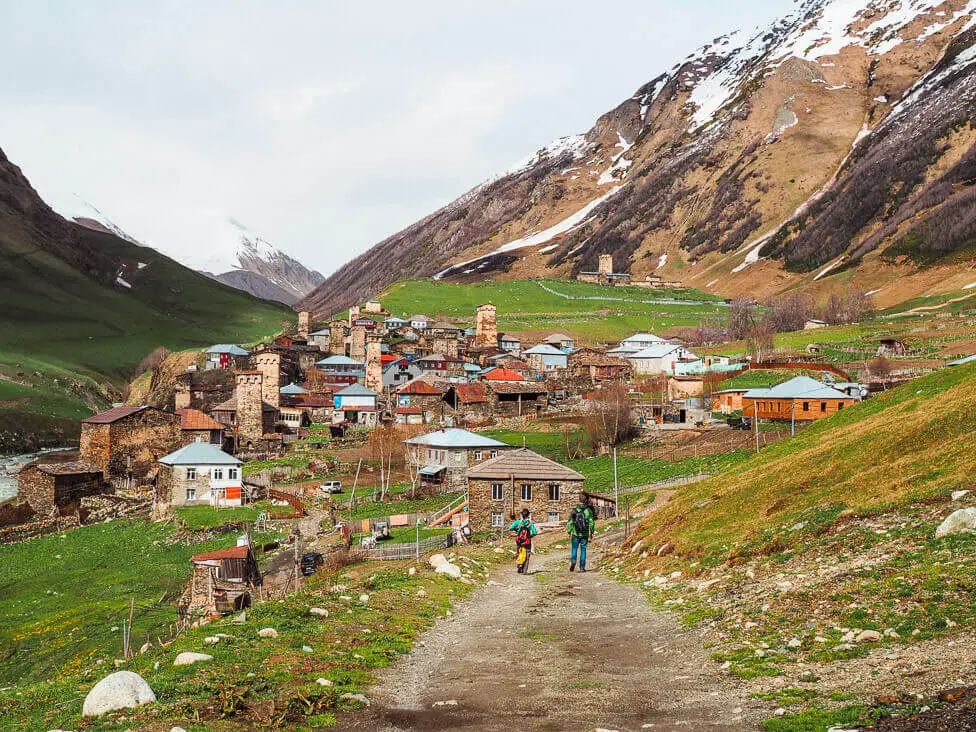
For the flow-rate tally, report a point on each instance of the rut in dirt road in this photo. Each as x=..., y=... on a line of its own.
x=555, y=651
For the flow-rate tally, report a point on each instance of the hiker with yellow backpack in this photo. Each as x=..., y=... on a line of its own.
x=525, y=531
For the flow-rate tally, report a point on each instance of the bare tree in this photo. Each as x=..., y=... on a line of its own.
x=881, y=369
x=610, y=419
x=761, y=340
x=788, y=312
x=742, y=318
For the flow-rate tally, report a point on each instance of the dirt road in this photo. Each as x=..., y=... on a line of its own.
x=556, y=651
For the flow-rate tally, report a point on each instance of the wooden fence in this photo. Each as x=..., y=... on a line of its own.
x=395, y=552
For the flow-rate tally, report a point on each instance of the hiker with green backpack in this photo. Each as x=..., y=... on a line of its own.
x=525, y=531
x=581, y=526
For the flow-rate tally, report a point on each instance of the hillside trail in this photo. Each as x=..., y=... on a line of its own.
x=556, y=651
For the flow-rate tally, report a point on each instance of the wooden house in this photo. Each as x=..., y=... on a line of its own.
x=800, y=399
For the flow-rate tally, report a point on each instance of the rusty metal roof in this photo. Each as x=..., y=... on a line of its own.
x=113, y=415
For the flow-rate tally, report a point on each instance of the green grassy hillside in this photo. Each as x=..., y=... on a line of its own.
x=589, y=312
x=65, y=336
x=907, y=445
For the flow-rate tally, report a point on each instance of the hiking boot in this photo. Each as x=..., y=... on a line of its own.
x=572, y=566
x=582, y=569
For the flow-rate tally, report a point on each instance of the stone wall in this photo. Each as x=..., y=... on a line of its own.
x=130, y=447
x=304, y=324
x=338, y=331
x=605, y=266
x=481, y=506
x=44, y=491
x=96, y=445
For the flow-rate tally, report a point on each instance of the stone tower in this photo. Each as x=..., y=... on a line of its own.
x=250, y=410
x=182, y=396
x=357, y=343
x=338, y=330
x=354, y=313
x=486, y=326
x=606, y=264
x=304, y=324
x=269, y=364
x=374, y=365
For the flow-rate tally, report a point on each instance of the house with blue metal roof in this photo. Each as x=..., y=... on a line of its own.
x=798, y=399
x=442, y=458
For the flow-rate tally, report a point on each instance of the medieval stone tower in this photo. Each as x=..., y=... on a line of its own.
x=304, y=324
x=354, y=312
x=250, y=407
x=357, y=343
x=182, y=396
x=338, y=330
x=374, y=365
x=486, y=326
x=269, y=364
x=606, y=264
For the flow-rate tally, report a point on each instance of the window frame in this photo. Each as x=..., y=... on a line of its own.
x=191, y=473
x=191, y=493
x=554, y=495
x=497, y=519
x=525, y=492
x=499, y=489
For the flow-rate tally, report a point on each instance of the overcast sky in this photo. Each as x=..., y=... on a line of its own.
x=322, y=126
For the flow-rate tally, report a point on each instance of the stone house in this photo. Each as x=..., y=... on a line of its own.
x=221, y=583
x=501, y=374
x=442, y=458
x=50, y=486
x=425, y=395
x=319, y=339
x=500, y=488
x=398, y=372
x=342, y=369
x=195, y=426
x=440, y=364
x=597, y=367
x=199, y=474
x=408, y=415
x=125, y=442
x=394, y=323
x=469, y=401
x=659, y=359
x=510, y=343
x=419, y=322
x=561, y=341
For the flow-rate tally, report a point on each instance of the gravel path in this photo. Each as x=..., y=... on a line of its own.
x=556, y=651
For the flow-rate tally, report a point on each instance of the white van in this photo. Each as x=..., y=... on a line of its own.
x=330, y=487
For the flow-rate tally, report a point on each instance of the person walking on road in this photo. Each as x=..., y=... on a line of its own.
x=525, y=531
x=581, y=526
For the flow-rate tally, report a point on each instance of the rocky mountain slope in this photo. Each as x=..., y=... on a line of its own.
x=832, y=149
x=265, y=271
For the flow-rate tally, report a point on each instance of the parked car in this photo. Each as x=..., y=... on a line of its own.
x=311, y=563
x=331, y=487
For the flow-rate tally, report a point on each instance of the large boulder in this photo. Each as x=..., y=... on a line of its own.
x=958, y=522
x=121, y=690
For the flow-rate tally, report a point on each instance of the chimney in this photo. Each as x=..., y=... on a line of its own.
x=269, y=364
x=304, y=324
x=486, y=326
x=606, y=264
x=374, y=365
x=250, y=414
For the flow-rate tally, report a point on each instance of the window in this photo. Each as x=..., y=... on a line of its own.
x=526, y=491
x=218, y=473
x=496, y=491
x=552, y=517
x=191, y=473
x=840, y=405
x=823, y=407
x=554, y=492
x=806, y=406
x=497, y=520
x=459, y=458
x=232, y=474
x=493, y=454
x=478, y=454
x=191, y=494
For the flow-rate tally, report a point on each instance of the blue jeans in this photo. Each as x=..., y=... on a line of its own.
x=579, y=545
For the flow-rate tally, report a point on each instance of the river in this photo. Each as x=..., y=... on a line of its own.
x=11, y=465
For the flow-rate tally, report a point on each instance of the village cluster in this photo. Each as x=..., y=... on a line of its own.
x=370, y=370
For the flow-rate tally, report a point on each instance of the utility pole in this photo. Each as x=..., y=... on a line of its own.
x=755, y=421
x=793, y=418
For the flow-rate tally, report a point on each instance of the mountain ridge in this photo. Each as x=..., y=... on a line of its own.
x=718, y=166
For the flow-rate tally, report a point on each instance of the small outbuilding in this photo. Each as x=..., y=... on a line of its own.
x=50, y=486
